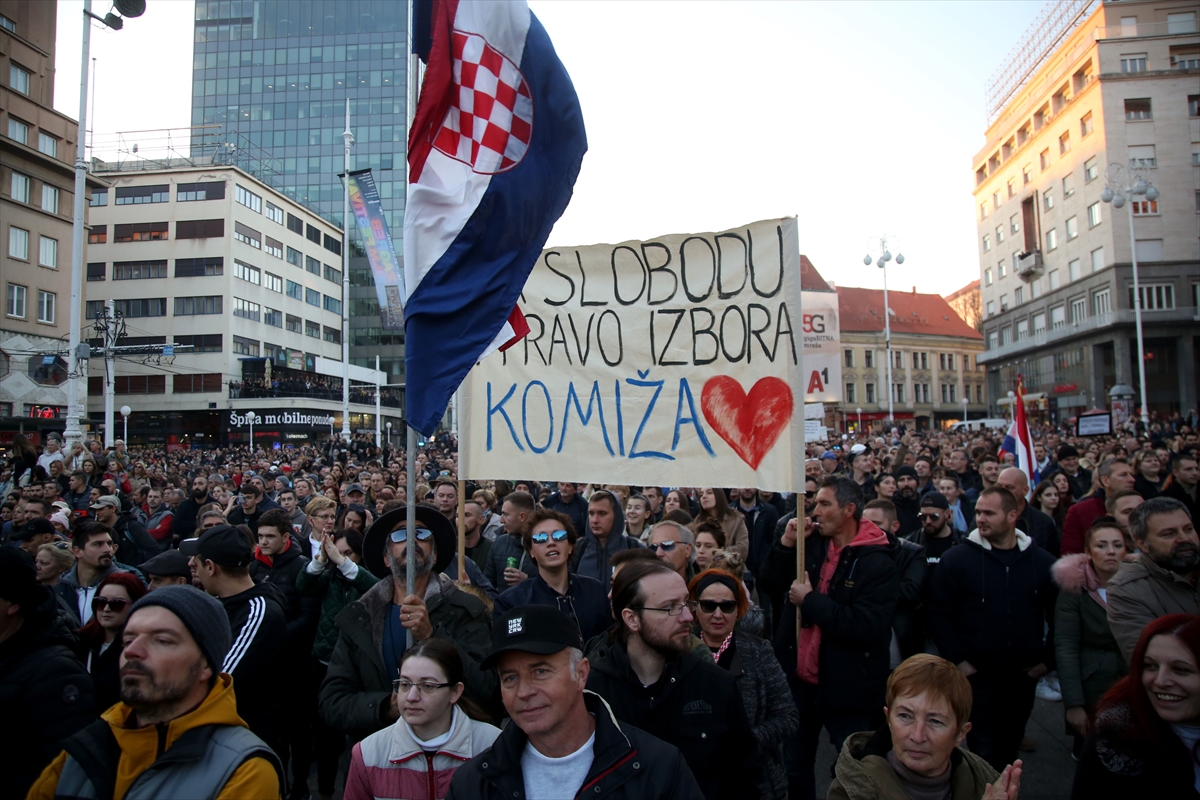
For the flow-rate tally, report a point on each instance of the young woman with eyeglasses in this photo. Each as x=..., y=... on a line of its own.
x=439, y=730
x=549, y=538
x=718, y=601
x=100, y=638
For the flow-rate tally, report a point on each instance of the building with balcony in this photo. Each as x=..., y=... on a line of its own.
x=1118, y=87
x=37, y=199
x=228, y=296
x=936, y=376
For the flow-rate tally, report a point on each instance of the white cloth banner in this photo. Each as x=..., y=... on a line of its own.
x=678, y=361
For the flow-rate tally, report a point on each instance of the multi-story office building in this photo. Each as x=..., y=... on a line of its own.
x=37, y=199
x=936, y=375
x=1118, y=91
x=231, y=294
x=275, y=75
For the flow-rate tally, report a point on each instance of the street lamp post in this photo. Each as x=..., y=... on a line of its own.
x=966, y=399
x=251, y=416
x=125, y=412
x=885, y=255
x=858, y=430
x=389, y=427
x=1116, y=194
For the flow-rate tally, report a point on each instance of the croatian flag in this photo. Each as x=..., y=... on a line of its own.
x=1019, y=442
x=494, y=150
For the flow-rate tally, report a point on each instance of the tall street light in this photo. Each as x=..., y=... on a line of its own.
x=125, y=412
x=75, y=409
x=1127, y=183
x=885, y=255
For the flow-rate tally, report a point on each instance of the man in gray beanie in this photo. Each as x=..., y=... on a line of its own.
x=175, y=641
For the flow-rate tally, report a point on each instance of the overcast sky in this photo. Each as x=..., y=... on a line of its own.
x=858, y=118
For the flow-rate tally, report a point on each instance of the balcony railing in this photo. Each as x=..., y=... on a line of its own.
x=316, y=390
x=1084, y=326
x=1147, y=29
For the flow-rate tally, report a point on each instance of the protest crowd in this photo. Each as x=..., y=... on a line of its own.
x=238, y=623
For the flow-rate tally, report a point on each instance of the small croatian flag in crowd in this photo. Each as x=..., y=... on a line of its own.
x=1019, y=442
x=493, y=153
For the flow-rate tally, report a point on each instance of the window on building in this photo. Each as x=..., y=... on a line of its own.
x=1035, y=289
x=193, y=192
x=18, y=131
x=1098, y=259
x=983, y=210
x=953, y=388
x=99, y=198
x=1044, y=159
x=1181, y=22
x=1078, y=309
x=247, y=310
x=313, y=265
x=247, y=235
x=190, y=306
x=1012, y=187
x=98, y=234
x=1133, y=62
x=139, y=270
x=1051, y=239
x=295, y=224
x=313, y=234
x=1085, y=125
x=200, y=229
x=1142, y=208
x=18, y=243
x=273, y=317
x=1101, y=302
x=1014, y=224
x=1039, y=322
x=999, y=234
x=19, y=187
x=273, y=247
x=1003, y=268
x=247, y=273
x=47, y=144
x=1143, y=156
x=898, y=393
x=248, y=198
x=1154, y=296
x=1149, y=249
x=1026, y=174
x=1058, y=317
x=140, y=384
x=312, y=329
x=295, y=290
x=898, y=359
x=294, y=324
x=1137, y=109
x=1072, y=228
x=199, y=267
x=991, y=308
x=295, y=257
x=272, y=282
x=333, y=335
x=332, y=274
x=47, y=303
x=1005, y=335
x=333, y=245
x=1003, y=303
x=869, y=359
x=141, y=307
x=333, y=304
x=312, y=297
x=49, y=199
x=1048, y=199
x=870, y=390
x=1064, y=143
x=1073, y=270
x=987, y=277
x=138, y=195
x=203, y=382
x=1022, y=329
x=273, y=212
x=1194, y=99
x=18, y=78
x=97, y=271
x=15, y=303
x=1019, y=295
x=848, y=358
x=48, y=252
x=1052, y=277
x=1094, y=217
x=245, y=347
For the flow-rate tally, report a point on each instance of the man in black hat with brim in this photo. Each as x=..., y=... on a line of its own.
x=564, y=740
x=356, y=695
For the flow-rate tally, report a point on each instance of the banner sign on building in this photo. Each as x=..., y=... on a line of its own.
x=681, y=360
x=373, y=228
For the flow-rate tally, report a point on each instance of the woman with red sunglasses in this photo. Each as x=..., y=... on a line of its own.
x=100, y=638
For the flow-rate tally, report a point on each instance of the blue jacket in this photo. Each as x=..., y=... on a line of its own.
x=585, y=601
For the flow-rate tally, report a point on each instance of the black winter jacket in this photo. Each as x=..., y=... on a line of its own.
x=991, y=615
x=696, y=706
x=185, y=516
x=1118, y=762
x=504, y=547
x=300, y=611
x=585, y=602
x=134, y=543
x=909, y=623
x=855, y=619
x=1042, y=528
x=256, y=659
x=45, y=693
x=627, y=764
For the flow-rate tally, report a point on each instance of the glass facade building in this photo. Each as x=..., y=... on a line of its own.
x=270, y=80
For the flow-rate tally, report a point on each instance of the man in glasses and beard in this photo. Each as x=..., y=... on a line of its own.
x=1163, y=580
x=356, y=696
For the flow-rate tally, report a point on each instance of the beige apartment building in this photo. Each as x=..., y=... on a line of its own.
x=1116, y=98
x=37, y=197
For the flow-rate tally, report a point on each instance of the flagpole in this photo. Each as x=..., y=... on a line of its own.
x=410, y=105
x=347, y=139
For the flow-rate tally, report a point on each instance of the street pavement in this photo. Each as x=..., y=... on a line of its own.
x=1048, y=770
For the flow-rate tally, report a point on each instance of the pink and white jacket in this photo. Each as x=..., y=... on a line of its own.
x=391, y=765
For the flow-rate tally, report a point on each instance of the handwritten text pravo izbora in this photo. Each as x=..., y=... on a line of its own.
x=603, y=323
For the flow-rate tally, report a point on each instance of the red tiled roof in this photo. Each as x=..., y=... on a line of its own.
x=861, y=311
x=810, y=279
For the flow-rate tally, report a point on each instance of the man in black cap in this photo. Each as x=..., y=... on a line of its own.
x=220, y=559
x=937, y=533
x=45, y=693
x=907, y=499
x=1067, y=462
x=356, y=695
x=169, y=568
x=135, y=543
x=177, y=731
x=564, y=741
x=250, y=507
x=35, y=533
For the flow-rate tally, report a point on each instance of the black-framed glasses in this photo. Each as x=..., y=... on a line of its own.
x=116, y=603
x=711, y=606
x=674, y=610
x=666, y=546
x=402, y=687
x=930, y=517
x=543, y=537
x=400, y=535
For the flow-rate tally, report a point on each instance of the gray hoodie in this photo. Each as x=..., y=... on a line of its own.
x=591, y=560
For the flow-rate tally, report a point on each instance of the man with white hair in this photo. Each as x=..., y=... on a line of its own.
x=673, y=544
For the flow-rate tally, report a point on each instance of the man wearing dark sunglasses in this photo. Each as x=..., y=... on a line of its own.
x=672, y=543
x=549, y=538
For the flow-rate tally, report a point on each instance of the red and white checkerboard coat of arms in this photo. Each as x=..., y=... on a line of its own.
x=490, y=125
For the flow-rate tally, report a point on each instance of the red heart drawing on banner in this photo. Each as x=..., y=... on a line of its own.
x=749, y=423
